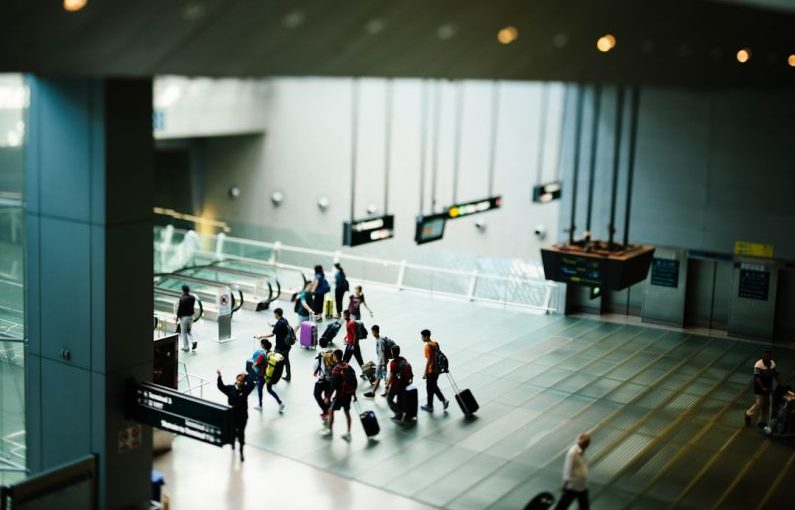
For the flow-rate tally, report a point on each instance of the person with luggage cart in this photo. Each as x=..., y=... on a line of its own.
x=356, y=301
x=383, y=351
x=237, y=397
x=343, y=390
x=432, y=371
x=575, y=475
x=285, y=338
x=765, y=374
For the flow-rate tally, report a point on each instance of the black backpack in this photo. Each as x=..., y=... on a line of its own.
x=361, y=330
x=441, y=365
x=388, y=344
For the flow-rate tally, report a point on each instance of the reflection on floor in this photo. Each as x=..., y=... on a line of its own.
x=665, y=410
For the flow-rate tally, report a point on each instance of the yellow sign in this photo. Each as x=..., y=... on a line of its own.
x=753, y=249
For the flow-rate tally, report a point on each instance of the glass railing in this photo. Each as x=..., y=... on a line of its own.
x=522, y=288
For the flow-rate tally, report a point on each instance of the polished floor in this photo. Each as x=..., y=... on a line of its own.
x=665, y=410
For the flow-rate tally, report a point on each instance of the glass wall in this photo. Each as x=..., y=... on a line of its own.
x=14, y=99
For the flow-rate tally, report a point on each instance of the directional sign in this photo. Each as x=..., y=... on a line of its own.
x=182, y=414
x=474, y=207
x=368, y=230
x=544, y=193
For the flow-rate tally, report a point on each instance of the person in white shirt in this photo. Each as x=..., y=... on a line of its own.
x=575, y=475
x=765, y=374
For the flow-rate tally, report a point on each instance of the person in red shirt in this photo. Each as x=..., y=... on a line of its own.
x=351, y=341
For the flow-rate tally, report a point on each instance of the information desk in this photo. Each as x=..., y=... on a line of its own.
x=592, y=264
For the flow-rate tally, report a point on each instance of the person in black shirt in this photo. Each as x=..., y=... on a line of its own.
x=281, y=330
x=185, y=318
x=237, y=397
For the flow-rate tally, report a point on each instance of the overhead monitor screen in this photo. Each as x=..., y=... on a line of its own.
x=429, y=228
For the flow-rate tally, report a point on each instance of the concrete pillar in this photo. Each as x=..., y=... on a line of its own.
x=88, y=192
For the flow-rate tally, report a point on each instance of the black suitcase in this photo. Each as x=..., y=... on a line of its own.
x=369, y=421
x=541, y=501
x=411, y=402
x=331, y=331
x=465, y=398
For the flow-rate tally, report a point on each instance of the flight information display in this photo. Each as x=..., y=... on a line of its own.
x=368, y=230
x=430, y=228
x=580, y=270
x=665, y=272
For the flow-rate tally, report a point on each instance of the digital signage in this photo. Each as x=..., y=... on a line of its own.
x=368, y=230
x=430, y=228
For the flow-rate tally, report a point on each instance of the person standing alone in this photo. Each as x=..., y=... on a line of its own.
x=341, y=286
x=185, y=318
x=431, y=372
x=765, y=374
x=575, y=476
x=237, y=397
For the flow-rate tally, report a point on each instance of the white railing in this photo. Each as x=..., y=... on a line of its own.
x=520, y=292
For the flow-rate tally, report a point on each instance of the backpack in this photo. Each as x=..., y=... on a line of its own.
x=361, y=330
x=403, y=374
x=290, y=338
x=344, y=284
x=325, y=363
x=441, y=365
x=274, y=368
x=388, y=343
x=348, y=380
x=298, y=306
x=259, y=369
x=323, y=286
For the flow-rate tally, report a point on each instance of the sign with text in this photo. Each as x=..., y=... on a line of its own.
x=368, y=230
x=430, y=228
x=544, y=193
x=665, y=272
x=469, y=208
x=754, y=282
x=189, y=416
x=747, y=249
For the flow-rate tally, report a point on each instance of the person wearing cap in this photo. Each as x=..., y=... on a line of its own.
x=575, y=475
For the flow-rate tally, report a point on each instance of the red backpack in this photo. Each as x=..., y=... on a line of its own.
x=346, y=376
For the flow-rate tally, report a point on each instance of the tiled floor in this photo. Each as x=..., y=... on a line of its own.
x=664, y=409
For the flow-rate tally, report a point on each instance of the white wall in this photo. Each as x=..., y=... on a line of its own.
x=306, y=154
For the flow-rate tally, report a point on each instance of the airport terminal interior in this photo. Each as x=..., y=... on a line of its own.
x=587, y=204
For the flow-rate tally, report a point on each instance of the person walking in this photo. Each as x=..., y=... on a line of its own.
x=356, y=301
x=185, y=319
x=765, y=374
x=383, y=349
x=400, y=376
x=261, y=366
x=303, y=306
x=343, y=389
x=341, y=286
x=281, y=330
x=432, y=372
x=324, y=364
x=237, y=397
x=575, y=475
x=319, y=289
x=352, y=348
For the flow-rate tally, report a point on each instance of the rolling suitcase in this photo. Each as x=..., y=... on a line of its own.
x=328, y=307
x=308, y=335
x=541, y=501
x=369, y=421
x=331, y=331
x=411, y=402
x=465, y=398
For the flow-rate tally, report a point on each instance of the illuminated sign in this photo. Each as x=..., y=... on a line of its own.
x=182, y=414
x=368, y=230
x=544, y=193
x=430, y=228
x=469, y=208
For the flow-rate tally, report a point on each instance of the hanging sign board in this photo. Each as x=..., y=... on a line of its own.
x=544, y=193
x=368, y=230
x=430, y=228
x=469, y=208
x=747, y=249
x=189, y=416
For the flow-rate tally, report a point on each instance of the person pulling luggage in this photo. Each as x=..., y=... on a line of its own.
x=352, y=348
x=400, y=377
x=575, y=475
x=765, y=374
x=303, y=309
x=432, y=371
x=237, y=397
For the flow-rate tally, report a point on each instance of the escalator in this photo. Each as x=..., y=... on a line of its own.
x=165, y=309
x=205, y=289
x=258, y=288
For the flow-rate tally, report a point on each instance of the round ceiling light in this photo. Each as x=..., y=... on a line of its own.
x=743, y=55
x=507, y=35
x=791, y=60
x=606, y=43
x=74, y=5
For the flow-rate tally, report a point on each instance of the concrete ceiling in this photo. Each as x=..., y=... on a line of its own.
x=670, y=42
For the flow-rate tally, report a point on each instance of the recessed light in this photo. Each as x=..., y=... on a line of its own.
x=507, y=35
x=446, y=31
x=743, y=55
x=74, y=5
x=375, y=26
x=560, y=40
x=606, y=43
x=293, y=19
x=791, y=60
